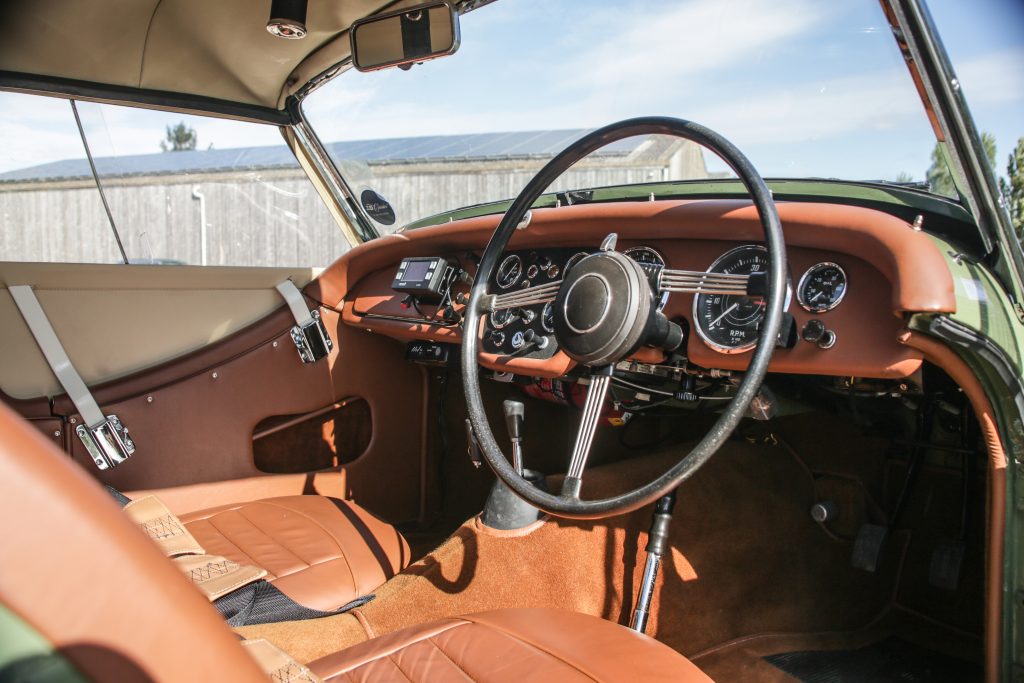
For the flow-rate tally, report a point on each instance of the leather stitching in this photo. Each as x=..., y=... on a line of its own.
x=337, y=542
x=273, y=540
x=538, y=648
x=455, y=623
x=449, y=658
x=224, y=537
x=394, y=663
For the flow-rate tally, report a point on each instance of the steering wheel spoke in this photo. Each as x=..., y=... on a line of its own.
x=699, y=282
x=524, y=297
x=596, y=394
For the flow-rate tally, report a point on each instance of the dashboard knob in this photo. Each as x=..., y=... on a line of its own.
x=813, y=331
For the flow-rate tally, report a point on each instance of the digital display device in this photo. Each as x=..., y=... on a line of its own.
x=416, y=270
x=423, y=277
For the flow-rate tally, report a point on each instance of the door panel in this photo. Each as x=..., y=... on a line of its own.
x=193, y=417
x=114, y=320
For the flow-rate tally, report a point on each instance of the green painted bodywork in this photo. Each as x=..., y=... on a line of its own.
x=27, y=656
x=984, y=308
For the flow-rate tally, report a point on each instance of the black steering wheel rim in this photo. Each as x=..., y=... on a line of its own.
x=574, y=507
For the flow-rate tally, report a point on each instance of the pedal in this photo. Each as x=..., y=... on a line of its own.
x=947, y=560
x=867, y=549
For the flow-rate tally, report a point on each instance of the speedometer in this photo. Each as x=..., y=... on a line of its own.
x=726, y=322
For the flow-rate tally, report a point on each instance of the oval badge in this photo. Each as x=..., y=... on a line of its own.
x=377, y=207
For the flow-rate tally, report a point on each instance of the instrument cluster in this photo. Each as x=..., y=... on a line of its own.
x=730, y=323
x=529, y=330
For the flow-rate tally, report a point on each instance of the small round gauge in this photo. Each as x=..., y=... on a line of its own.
x=645, y=255
x=729, y=323
x=573, y=260
x=509, y=271
x=502, y=317
x=822, y=287
x=547, y=318
x=649, y=257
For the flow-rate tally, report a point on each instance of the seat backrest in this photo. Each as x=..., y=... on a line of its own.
x=77, y=572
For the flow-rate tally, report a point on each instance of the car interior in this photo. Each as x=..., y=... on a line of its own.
x=687, y=439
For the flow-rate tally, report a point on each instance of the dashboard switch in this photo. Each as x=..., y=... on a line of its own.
x=815, y=332
x=427, y=353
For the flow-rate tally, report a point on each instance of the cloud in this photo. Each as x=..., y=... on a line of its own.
x=993, y=77
x=691, y=40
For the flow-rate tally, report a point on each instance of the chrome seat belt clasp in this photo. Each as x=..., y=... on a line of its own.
x=108, y=442
x=105, y=437
x=309, y=333
x=311, y=339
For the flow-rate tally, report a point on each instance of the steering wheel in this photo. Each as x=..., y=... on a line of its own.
x=605, y=309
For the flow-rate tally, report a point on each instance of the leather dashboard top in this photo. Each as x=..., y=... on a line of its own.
x=893, y=270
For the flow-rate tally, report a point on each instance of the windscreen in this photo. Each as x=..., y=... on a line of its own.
x=806, y=89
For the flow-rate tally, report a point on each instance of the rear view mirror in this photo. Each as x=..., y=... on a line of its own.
x=405, y=37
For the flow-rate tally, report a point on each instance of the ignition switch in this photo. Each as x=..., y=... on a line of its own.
x=815, y=332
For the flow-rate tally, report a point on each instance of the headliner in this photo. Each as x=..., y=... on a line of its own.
x=217, y=49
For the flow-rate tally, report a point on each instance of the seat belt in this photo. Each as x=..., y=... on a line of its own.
x=103, y=436
x=310, y=333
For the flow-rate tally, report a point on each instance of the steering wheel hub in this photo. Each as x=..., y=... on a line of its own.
x=603, y=309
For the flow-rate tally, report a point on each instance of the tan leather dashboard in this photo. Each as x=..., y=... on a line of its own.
x=892, y=270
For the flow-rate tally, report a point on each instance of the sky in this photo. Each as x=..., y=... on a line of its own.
x=803, y=87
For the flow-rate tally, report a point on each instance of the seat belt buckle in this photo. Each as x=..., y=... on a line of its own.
x=108, y=442
x=311, y=339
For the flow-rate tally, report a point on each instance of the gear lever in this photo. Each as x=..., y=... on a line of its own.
x=657, y=542
x=515, y=415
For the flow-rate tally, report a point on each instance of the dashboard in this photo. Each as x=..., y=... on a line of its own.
x=854, y=276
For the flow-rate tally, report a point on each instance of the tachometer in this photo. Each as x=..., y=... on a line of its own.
x=822, y=287
x=509, y=271
x=726, y=322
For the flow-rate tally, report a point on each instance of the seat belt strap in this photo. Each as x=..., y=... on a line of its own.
x=309, y=334
x=277, y=664
x=104, y=437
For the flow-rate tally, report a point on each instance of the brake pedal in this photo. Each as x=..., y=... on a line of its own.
x=947, y=560
x=867, y=549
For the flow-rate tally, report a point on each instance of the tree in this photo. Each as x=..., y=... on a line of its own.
x=1013, y=190
x=939, y=179
x=180, y=137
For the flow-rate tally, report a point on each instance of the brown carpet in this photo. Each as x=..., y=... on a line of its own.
x=746, y=558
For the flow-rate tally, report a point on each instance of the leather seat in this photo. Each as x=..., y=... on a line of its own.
x=321, y=552
x=534, y=645
x=82, y=584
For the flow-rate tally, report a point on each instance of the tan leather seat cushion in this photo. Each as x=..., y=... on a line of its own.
x=510, y=645
x=322, y=552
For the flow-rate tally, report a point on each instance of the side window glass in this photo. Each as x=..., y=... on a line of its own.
x=181, y=190
x=44, y=214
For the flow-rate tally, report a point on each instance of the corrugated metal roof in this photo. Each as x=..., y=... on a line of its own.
x=431, y=148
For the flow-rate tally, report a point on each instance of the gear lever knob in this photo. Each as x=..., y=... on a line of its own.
x=515, y=414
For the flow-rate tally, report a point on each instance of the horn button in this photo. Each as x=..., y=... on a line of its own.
x=602, y=309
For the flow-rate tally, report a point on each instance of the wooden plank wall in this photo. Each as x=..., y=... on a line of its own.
x=253, y=218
